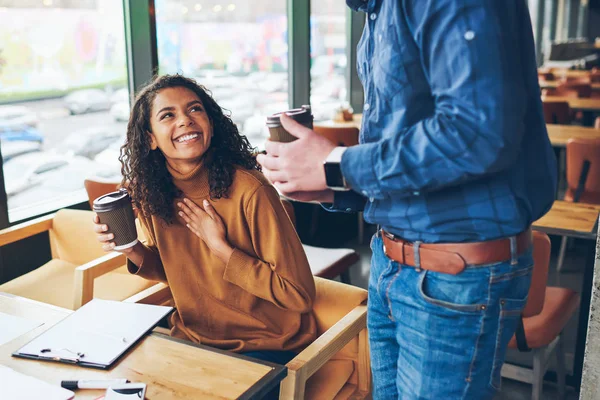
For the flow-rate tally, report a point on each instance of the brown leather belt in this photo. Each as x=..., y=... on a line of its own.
x=451, y=258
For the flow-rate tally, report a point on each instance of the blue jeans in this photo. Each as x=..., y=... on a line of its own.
x=440, y=336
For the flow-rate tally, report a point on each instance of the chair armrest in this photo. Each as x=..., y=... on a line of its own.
x=313, y=357
x=26, y=229
x=158, y=294
x=86, y=273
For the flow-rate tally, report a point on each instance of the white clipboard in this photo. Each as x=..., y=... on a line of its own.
x=95, y=335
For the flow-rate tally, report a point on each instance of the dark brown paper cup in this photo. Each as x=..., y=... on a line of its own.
x=115, y=210
x=277, y=133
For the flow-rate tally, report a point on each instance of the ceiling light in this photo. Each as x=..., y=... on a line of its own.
x=198, y=7
x=217, y=8
x=231, y=7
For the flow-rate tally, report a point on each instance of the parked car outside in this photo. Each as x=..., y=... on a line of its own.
x=109, y=158
x=37, y=177
x=91, y=141
x=18, y=115
x=12, y=132
x=120, y=95
x=87, y=100
x=120, y=111
x=12, y=149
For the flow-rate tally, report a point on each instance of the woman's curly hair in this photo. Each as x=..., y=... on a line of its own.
x=144, y=170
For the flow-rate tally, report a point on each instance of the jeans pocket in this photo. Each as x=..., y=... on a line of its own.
x=466, y=293
x=508, y=318
x=373, y=238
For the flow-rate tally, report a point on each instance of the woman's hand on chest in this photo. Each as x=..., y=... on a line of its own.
x=205, y=223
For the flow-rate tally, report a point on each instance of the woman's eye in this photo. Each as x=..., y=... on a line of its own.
x=165, y=115
x=196, y=108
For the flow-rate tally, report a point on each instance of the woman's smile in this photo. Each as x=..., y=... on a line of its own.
x=188, y=138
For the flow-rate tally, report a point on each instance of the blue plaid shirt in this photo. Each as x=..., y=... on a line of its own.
x=454, y=147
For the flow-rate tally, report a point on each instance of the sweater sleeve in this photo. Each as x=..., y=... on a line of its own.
x=151, y=267
x=280, y=273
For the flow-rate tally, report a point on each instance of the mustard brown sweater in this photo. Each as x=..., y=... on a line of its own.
x=261, y=299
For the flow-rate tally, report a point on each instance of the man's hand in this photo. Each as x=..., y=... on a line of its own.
x=297, y=167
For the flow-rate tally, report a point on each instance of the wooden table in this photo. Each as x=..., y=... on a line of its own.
x=583, y=104
x=576, y=220
x=554, y=84
x=562, y=73
x=171, y=368
x=560, y=134
x=357, y=119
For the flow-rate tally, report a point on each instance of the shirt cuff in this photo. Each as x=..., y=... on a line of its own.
x=238, y=268
x=348, y=202
x=358, y=168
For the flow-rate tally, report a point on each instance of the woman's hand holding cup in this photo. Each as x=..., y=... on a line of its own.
x=105, y=237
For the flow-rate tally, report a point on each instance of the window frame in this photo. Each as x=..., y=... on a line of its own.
x=142, y=65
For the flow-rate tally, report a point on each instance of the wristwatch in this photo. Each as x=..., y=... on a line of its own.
x=333, y=172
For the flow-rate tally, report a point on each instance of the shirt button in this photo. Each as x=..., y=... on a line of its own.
x=371, y=199
x=373, y=16
x=365, y=193
x=366, y=106
x=348, y=209
x=416, y=193
x=469, y=35
x=379, y=37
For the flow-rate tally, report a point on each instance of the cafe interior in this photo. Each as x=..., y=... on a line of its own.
x=69, y=72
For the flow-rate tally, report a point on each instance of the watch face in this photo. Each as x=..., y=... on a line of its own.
x=333, y=175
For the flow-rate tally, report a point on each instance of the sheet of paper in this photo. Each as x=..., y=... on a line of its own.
x=18, y=386
x=100, y=330
x=12, y=327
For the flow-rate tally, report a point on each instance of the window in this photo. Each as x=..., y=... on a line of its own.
x=62, y=72
x=328, y=57
x=237, y=49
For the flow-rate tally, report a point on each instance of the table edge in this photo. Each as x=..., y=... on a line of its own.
x=277, y=373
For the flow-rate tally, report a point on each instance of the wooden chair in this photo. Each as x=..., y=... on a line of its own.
x=575, y=88
x=545, y=315
x=341, y=136
x=96, y=188
x=546, y=76
x=79, y=269
x=336, y=365
x=583, y=178
x=326, y=263
x=557, y=112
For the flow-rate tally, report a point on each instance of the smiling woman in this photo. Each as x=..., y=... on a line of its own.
x=217, y=231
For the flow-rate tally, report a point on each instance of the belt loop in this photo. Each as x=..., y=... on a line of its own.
x=402, y=253
x=513, y=250
x=416, y=246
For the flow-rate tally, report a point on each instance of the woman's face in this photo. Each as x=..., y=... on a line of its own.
x=180, y=128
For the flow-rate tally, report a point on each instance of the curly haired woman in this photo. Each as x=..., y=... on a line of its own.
x=217, y=231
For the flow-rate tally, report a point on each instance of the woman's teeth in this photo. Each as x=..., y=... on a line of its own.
x=186, y=138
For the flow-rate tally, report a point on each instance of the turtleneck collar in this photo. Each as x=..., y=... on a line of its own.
x=194, y=184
